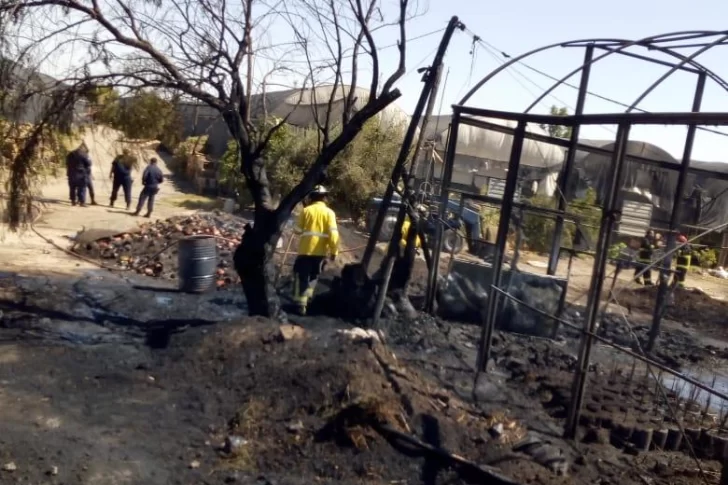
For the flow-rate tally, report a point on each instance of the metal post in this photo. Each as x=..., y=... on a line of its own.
x=382, y=295
x=569, y=162
x=444, y=194
x=407, y=144
x=486, y=336
x=661, y=299
x=432, y=82
x=461, y=207
x=597, y=280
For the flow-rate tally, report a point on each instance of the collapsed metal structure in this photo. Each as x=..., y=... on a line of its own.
x=670, y=45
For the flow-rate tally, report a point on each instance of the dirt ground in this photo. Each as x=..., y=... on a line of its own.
x=115, y=378
x=59, y=221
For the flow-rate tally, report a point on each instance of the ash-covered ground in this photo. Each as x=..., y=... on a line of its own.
x=106, y=379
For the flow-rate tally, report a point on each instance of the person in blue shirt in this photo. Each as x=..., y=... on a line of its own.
x=78, y=170
x=151, y=178
x=121, y=177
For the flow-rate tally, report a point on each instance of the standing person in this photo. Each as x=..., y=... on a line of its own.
x=151, y=178
x=319, y=239
x=644, y=258
x=71, y=163
x=78, y=167
x=90, y=185
x=121, y=177
x=405, y=261
x=683, y=260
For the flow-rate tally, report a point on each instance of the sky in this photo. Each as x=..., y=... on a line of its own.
x=516, y=27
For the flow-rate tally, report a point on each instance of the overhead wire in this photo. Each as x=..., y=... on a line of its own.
x=349, y=56
x=588, y=92
x=514, y=72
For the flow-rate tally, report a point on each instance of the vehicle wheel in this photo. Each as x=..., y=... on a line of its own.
x=453, y=242
x=388, y=227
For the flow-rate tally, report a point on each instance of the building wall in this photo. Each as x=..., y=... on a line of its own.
x=203, y=120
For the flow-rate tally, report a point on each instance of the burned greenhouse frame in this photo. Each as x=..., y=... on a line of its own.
x=515, y=125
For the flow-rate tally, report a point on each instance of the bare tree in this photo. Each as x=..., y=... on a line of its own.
x=215, y=52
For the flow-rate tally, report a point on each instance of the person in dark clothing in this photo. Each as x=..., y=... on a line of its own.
x=151, y=178
x=78, y=168
x=121, y=178
x=644, y=258
x=90, y=187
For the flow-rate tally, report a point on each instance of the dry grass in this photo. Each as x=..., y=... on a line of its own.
x=247, y=423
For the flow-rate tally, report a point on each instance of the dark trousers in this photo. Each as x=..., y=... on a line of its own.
x=402, y=270
x=306, y=271
x=147, y=195
x=125, y=184
x=681, y=269
x=77, y=189
x=91, y=193
x=647, y=275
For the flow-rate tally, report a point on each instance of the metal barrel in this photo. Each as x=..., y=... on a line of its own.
x=197, y=262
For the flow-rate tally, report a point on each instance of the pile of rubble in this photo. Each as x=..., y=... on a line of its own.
x=152, y=249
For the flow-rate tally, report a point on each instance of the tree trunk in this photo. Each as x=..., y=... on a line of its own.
x=254, y=264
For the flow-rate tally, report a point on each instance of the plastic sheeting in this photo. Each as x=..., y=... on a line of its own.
x=492, y=145
x=547, y=185
x=655, y=184
x=595, y=169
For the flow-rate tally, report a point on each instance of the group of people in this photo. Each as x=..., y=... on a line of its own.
x=80, y=179
x=652, y=241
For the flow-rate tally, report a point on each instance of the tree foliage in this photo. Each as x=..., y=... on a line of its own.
x=221, y=53
x=142, y=115
x=539, y=229
x=358, y=173
x=558, y=131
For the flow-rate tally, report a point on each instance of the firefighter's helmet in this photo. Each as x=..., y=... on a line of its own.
x=319, y=190
x=421, y=208
x=682, y=239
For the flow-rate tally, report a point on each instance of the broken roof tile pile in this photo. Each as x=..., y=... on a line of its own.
x=152, y=249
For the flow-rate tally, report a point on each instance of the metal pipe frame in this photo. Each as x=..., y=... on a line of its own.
x=486, y=337
x=661, y=299
x=606, y=341
x=449, y=163
x=680, y=118
x=569, y=163
x=591, y=149
x=399, y=169
x=595, y=288
x=643, y=58
x=674, y=69
x=665, y=44
x=621, y=44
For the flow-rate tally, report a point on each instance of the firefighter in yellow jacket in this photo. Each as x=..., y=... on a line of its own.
x=683, y=260
x=405, y=262
x=319, y=239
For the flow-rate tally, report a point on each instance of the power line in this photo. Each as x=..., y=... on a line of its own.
x=349, y=56
x=494, y=52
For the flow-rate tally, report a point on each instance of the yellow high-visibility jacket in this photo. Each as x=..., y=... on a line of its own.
x=317, y=228
x=405, y=230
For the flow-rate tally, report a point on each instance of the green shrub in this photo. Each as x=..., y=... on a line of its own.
x=360, y=172
x=707, y=258
x=187, y=154
x=615, y=250
x=539, y=229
